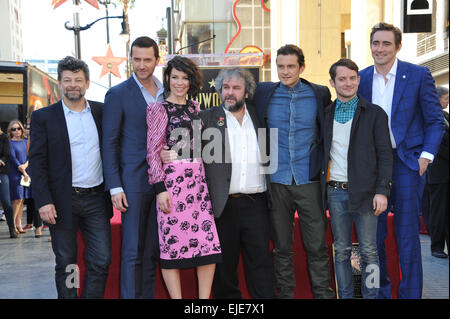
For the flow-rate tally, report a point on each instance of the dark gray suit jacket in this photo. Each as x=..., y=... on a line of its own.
x=218, y=174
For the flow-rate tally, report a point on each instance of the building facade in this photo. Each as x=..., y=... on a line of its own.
x=11, y=45
x=326, y=30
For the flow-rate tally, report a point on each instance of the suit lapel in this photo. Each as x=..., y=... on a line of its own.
x=401, y=79
x=62, y=125
x=221, y=124
x=96, y=114
x=365, y=87
x=136, y=92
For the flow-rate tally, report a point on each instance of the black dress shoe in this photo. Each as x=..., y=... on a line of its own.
x=439, y=254
x=12, y=233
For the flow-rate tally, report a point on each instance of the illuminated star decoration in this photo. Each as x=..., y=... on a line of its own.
x=57, y=3
x=109, y=63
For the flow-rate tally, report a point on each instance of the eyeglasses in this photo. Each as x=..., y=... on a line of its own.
x=13, y=129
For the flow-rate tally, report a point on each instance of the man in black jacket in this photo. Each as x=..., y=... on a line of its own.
x=436, y=189
x=356, y=176
x=66, y=168
x=293, y=109
x=237, y=186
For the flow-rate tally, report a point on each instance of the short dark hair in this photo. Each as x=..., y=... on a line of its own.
x=187, y=66
x=243, y=73
x=69, y=63
x=441, y=90
x=343, y=62
x=145, y=42
x=383, y=26
x=291, y=49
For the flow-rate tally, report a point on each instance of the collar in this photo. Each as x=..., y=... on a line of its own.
x=155, y=79
x=297, y=87
x=349, y=104
x=392, y=71
x=228, y=113
x=67, y=110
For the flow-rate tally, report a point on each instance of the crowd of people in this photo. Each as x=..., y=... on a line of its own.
x=196, y=188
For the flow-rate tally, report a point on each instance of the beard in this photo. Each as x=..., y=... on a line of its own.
x=71, y=96
x=233, y=107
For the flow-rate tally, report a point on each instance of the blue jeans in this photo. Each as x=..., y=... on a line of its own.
x=342, y=225
x=88, y=215
x=5, y=199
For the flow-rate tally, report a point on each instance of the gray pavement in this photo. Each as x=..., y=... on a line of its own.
x=27, y=268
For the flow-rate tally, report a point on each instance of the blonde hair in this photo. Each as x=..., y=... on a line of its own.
x=10, y=136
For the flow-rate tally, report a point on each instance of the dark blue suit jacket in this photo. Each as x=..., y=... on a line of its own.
x=51, y=162
x=125, y=138
x=417, y=122
x=261, y=101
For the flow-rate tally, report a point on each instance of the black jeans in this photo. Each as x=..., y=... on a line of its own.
x=244, y=225
x=306, y=199
x=88, y=215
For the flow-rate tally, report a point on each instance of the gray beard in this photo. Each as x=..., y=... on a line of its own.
x=73, y=98
x=236, y=107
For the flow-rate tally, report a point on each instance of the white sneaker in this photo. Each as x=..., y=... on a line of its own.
x=3, y=218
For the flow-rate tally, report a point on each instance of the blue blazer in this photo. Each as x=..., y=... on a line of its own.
x=125, y=138
x=261, y=101
x=417, y=122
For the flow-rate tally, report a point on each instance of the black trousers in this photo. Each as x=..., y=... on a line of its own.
x=88, y=215
x=438, y=215
x=306, y=199
x=244, y=226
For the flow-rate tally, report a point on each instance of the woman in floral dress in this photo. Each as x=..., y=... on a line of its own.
x=187, y=231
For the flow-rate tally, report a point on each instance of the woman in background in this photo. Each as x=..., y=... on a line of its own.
x=5, y=198
x=18, y=163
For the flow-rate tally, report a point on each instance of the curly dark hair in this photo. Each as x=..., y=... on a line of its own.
x=69, y=63
x=291, y=49
x=190, y=68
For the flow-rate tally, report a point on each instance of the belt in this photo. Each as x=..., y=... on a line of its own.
x=341, y=185
x=242, y=195
x=90, y=190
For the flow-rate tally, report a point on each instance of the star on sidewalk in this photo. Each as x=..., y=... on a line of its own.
x=109, y=63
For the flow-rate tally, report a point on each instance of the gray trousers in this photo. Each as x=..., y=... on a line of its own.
x=306, y=200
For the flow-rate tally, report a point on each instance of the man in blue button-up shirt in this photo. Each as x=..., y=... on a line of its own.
x=294, y=107
x=67, y=181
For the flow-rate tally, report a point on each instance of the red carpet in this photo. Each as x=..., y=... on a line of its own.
x=189, y=280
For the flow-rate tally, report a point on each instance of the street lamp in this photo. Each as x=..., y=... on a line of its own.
x=77, y=29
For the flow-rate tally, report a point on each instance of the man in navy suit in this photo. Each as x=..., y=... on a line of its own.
x=294, y=107
x=408, y=95
x=125, y=168
x=67, y=181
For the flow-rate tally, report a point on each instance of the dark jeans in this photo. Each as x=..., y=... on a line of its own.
x=244, y=226
x=88, y=214
x=5, y=199
x=306, y=199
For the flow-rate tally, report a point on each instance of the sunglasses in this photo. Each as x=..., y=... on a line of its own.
x=13, y=129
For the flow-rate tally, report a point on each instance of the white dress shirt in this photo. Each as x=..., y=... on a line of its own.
x=246, y=169
x=87, y=168
x=382, y=95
